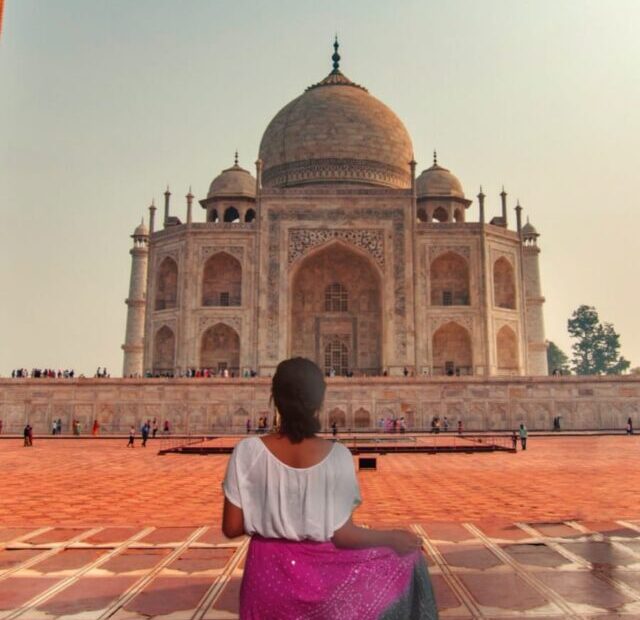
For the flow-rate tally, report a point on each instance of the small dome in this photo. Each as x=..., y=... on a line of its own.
x=233, y=182
x=438, y=181
x=141, y=230
x=529, y=230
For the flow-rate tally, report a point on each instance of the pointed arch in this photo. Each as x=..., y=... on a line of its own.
x=452, y=350
x=362, y=418
x=440, y=215
x=222, y=281
x=449, y=278
x=507, y=350
x=422, y=215
x=220, y=348
x=164, y=351
x=504, y=284
x=250, y=215
x=356, y=318
x=167, y=285
x=338, y=416
x=231, y=214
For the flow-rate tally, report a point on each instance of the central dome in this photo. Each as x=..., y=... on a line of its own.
x=336, y=132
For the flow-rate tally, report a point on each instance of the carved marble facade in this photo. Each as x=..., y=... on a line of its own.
x=338, y=251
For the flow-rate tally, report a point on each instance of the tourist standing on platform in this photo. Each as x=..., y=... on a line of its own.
x=334, y=428
x=459, y=427
x=132, y=436
x=54, y=427
x=248, y=425
x=154, y=428
x=144, y=431
x=523, y=436
x=445, y=423
x=166, y=429
x=514, y=440
x=1, y=427
x=629, y=426
x=96, y=428
x=28, y=435
x=59, y=425
x=294, y=494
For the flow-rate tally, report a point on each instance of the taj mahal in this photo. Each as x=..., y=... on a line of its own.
x=338, y=250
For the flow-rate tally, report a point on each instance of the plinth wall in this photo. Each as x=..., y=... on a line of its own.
x=219, y=405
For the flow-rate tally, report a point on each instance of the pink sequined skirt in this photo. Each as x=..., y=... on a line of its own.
x=287, y=580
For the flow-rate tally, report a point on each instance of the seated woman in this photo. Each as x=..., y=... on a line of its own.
x=294, y=494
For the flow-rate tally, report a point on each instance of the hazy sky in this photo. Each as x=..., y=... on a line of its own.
x=104, y=103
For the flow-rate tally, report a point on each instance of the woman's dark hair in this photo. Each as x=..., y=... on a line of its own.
x=297, y=389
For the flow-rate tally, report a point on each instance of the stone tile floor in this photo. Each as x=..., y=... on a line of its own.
x=89, y=530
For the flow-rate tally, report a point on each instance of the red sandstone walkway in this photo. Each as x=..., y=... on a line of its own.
x=89, y=530
x=86, y=481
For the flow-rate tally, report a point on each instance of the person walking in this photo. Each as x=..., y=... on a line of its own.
x=154, y=427
x=334, y=428
x=629, y=426
x=514, y=440
x=54, y=427
x=26, y=436
x=132, y=436
x=166, y=428
x=248, y=425
x=459, y=427
x=96, y=428
x=523, y=436
x=59, y=426
x=145, y=433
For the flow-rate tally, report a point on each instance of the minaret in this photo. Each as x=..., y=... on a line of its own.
x=136, y=304
x=503, y=202
x=536, y=345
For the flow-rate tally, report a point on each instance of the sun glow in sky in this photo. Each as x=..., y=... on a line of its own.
x=104, y=103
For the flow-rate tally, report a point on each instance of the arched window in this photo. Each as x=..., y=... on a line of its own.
x=422, y=215
x=449, y=280
x=213, y=216
x=336, y=298
x=507, y=350
x=338, y=416
x=220, y=349
x=231, y=215
x=164, y=351
x=441, y=215
x=361, y=418
x=452, y=353
x=504, y=284
x=167, y=285
x=336, y=358
x=250, y=215
x=222, y=281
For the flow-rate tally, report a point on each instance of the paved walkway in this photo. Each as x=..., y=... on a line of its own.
x=90, y=530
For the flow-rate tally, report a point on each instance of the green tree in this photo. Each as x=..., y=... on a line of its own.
x=597, y=347
x=557, y=359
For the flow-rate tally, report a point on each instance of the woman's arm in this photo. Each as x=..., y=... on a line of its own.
x=350, y=536
x=232, y=520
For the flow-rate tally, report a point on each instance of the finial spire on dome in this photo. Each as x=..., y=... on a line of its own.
x=336, y=56
x=235, y=159
x=435, y=157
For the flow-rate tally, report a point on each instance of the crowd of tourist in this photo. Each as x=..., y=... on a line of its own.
x=42, y=373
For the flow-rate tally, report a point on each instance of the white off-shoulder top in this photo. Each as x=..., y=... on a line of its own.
x=279, y=501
